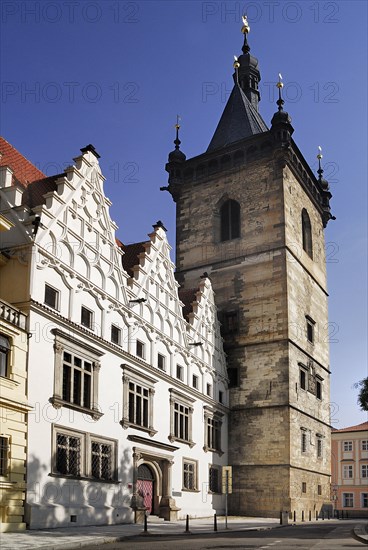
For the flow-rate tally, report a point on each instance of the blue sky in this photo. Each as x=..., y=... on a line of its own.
x=116, y=73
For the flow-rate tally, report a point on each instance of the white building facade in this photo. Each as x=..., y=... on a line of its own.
x=129, y=394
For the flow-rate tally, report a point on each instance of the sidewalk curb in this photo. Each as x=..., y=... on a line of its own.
x=359, y=532
x=143, y=534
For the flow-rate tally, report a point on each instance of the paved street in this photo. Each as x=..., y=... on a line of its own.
x=321, y=536
x=260, y=533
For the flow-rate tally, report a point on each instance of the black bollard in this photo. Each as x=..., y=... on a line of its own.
x=215, y=522
x=294, y=516
x=316, y=515
x=187, y=524
x=323, y=514
x=145, y=523
x=280, y=518
x=302, y=515
x=328, y=515
x=310, y=515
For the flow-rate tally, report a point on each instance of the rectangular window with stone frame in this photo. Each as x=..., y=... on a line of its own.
x=212, y=430
x=4, y=456
x=5, y=349
x=190, y=475
x=181, y=413
x=52, y=297
x=348, y=500
x=76, y=374
x=347, y=471
x=138, y=395
x=83, y=455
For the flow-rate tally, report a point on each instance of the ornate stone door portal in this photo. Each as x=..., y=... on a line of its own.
x=152, y=485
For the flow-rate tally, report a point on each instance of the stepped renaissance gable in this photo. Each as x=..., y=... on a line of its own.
x=127, y=381
x=259, y=216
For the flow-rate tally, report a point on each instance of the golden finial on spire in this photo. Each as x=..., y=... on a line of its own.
x=177, y=125
x=280, y=83
x=236, y=63
x=245, y=28
x=319, y=156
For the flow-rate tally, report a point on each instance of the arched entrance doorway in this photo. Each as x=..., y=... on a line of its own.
x=145, y=480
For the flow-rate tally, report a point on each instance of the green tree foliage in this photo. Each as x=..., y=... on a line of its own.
x=362, y=385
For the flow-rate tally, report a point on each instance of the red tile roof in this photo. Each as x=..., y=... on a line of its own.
x=24, y=171
x=131, y=253
x=358, y=428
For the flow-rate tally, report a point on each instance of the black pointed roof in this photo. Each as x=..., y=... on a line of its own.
x=238, y=121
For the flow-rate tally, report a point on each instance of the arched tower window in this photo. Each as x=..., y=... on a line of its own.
x=307, y=233
x=230, y=220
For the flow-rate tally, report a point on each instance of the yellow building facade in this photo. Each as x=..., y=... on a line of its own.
x=13, y=411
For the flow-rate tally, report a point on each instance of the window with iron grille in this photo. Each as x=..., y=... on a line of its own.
x=101, y=460
x=319, y=490
x=214, y=479
x=4, y=450
x=77, y=380
x=4, y=355
x=81, y=454
x=304, y=487
x=51, y=297
x=229, y=322
x=68, y=454
x=189, y=475
x=139, y=402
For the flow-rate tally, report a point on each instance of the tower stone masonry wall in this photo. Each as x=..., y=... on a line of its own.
x=267, y=277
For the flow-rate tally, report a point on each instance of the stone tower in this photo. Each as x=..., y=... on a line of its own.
x=251, y=213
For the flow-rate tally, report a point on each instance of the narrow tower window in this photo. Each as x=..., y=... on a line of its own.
x=307, y=233
x=230, y=220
